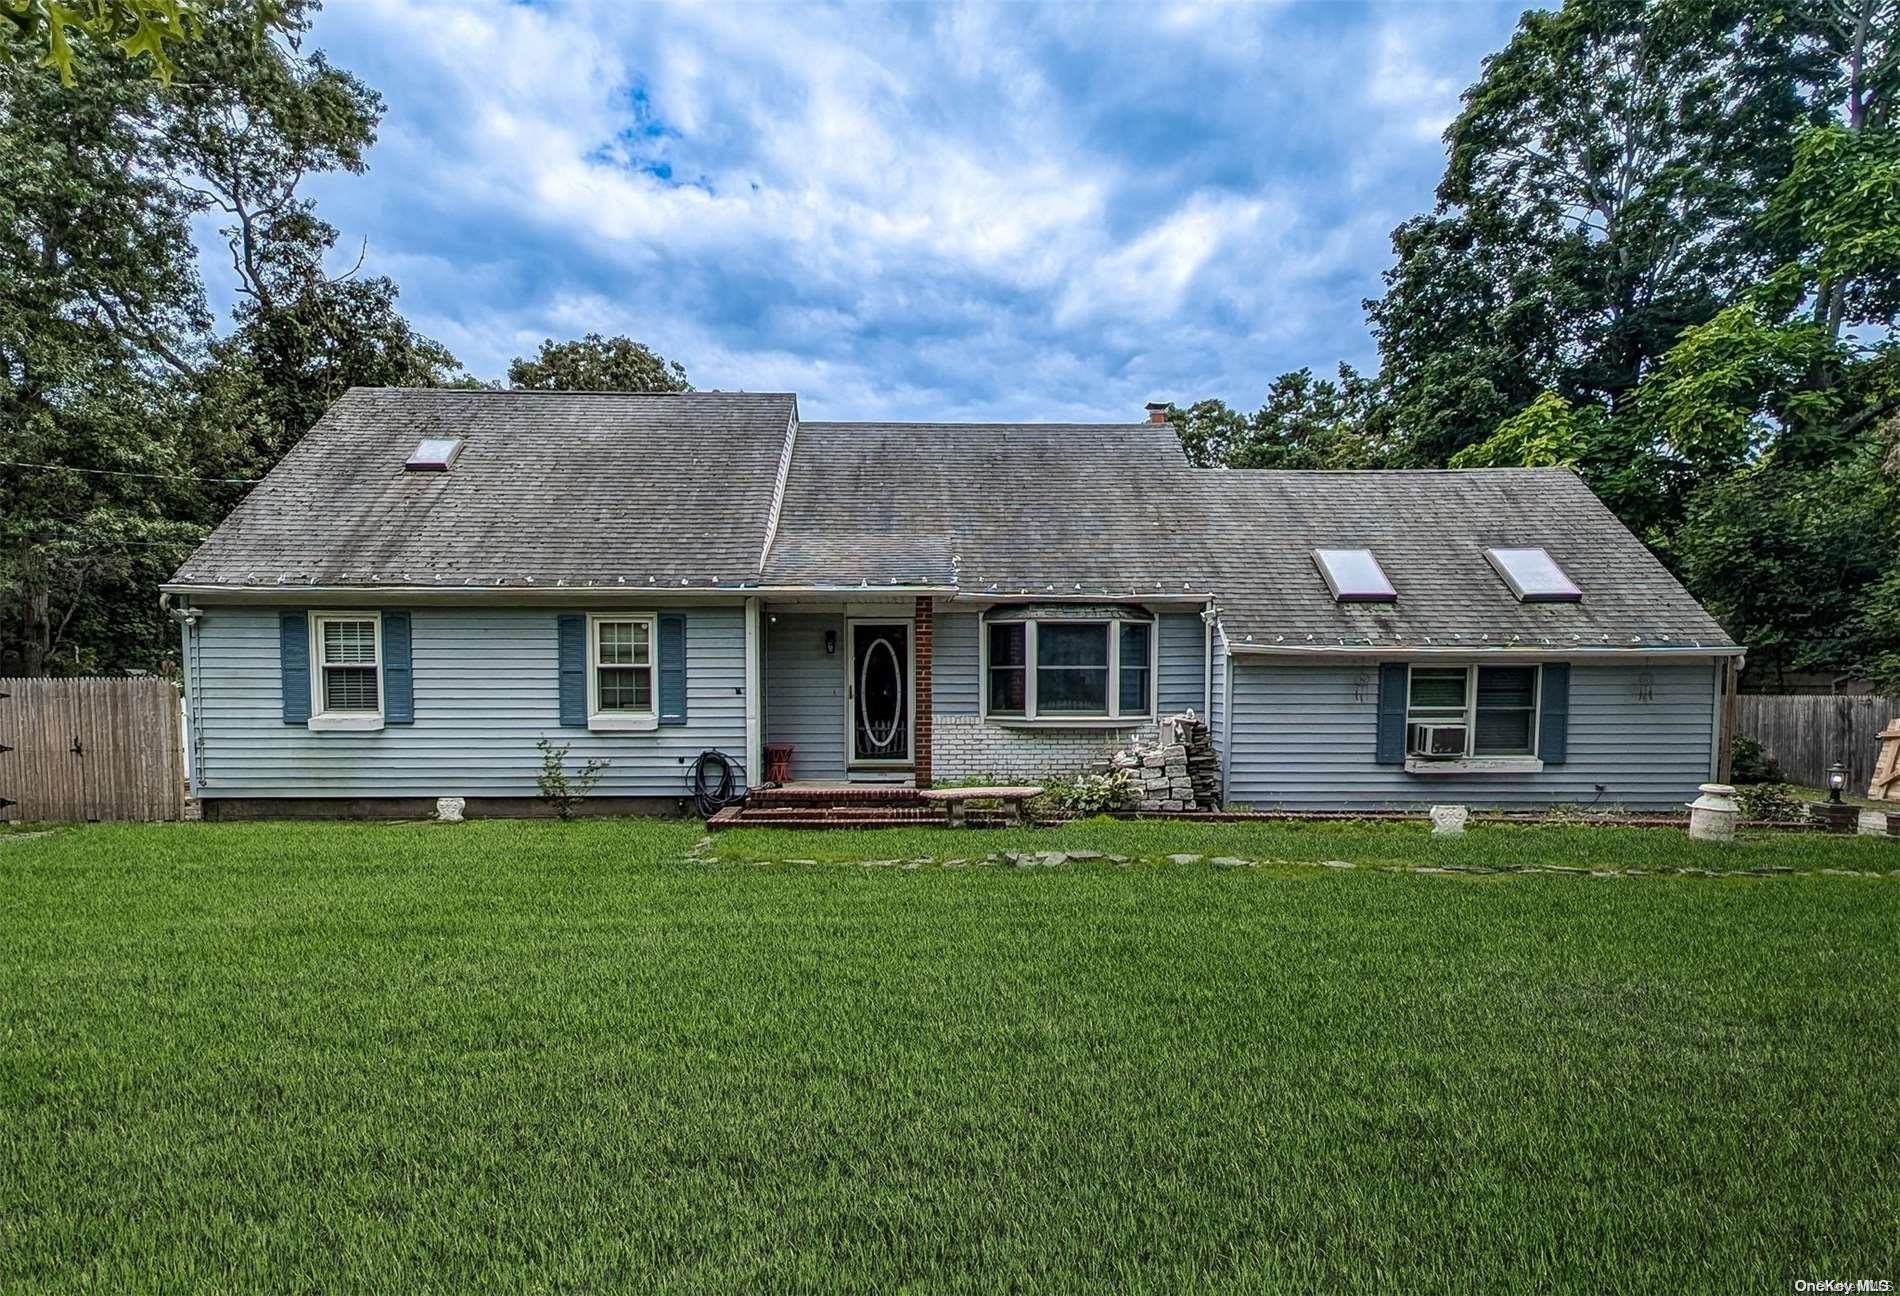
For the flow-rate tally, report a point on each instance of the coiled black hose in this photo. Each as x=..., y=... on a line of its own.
x=713, y=793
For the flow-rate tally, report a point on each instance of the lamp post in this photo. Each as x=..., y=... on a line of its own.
x=1833, y=814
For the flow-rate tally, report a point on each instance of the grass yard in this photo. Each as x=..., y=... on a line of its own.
x=564, y=1056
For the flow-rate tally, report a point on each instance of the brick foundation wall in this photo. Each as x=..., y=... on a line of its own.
x=921, y=626
x=964, y=747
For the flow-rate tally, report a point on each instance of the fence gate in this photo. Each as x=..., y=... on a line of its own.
x=85, y=749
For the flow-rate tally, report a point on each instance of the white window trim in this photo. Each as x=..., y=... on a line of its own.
x=1471, y=762
x=343, y=721
x=621, y=721
x=1109, y=719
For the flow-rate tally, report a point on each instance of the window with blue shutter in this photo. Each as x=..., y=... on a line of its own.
x=673, y=670
x=1392, y=701
x=399, y=693
x=1553, y=715
x=293, y=662
x=571, y=636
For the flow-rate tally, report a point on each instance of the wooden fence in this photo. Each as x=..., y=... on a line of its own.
x=84, y=749
x=1807, y=734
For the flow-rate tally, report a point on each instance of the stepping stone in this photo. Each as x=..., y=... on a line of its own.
x=1085, y=855
x=1049, y=859
x=1336, y=864
x=1185, y=859
x=1228, y=861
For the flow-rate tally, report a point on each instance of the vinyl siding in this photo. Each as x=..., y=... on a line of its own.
x=486, y=690
x=1181, y=661
x=954, y=663
x=1302, y=736
x=804, y=692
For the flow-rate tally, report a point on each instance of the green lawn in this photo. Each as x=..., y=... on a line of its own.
x=563, y=1056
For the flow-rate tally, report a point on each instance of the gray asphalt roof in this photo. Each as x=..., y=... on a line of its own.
x=1429, y=531
x=675, y=491
x=649, y=489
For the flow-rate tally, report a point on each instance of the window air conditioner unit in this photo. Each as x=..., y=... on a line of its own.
x=1436, y=741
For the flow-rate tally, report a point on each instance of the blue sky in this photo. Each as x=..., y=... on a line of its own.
x=924, y=212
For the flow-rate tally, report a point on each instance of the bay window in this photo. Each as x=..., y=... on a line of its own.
x=1066, y=665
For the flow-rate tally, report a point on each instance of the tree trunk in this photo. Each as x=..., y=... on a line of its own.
x=37, y=631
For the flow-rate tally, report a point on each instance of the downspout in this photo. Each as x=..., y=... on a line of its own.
x=187, y=619
x=754, y=694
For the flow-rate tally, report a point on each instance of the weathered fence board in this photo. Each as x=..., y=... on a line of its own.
x=85, y=749
x=1806, y=734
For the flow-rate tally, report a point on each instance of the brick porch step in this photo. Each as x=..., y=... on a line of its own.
x=782, y=819
x=870, y=794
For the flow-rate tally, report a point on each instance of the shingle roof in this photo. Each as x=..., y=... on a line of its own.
x=1429, y=531
x=649, y=489
x=1015, y=505
x=670, y=490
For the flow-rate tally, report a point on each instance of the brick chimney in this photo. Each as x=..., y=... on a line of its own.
x=1157, y=411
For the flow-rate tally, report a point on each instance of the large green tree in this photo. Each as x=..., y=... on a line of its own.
x=129, y=422
x=596, y=363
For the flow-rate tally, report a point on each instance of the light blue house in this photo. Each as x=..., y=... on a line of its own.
x=433, y=582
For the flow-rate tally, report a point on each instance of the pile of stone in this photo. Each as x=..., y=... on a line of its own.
x=1177, y=772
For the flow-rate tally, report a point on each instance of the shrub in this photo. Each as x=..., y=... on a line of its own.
x=560, y=789
x=1749, y=762
x=1771, y=802
x=1092, y=794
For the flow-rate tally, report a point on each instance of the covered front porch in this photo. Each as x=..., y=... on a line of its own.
x=847, y=696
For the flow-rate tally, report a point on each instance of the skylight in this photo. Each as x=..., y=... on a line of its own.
x=1533, y=576
x=435, y=454
x=1354, y=576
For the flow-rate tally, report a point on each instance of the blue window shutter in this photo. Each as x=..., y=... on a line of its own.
x=1393, y=678
x=572, y=636
x=672, y=670
x=399, y=679
x=1553, y=716
x=293, y=661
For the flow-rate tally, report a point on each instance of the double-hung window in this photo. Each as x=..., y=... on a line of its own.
x=1467, y=711
x=1066, y=668
x=347, y=684
x=621, y=682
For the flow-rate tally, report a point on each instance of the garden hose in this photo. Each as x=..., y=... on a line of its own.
x=714, y=792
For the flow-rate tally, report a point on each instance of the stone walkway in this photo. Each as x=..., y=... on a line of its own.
x=1055, y=859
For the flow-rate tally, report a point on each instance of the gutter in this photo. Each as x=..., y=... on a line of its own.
x=1465, y=653
x=348, y=595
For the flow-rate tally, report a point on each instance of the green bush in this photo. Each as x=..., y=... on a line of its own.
x=1749, y=762
x=1771, y=803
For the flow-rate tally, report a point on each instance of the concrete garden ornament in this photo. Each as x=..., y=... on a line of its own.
x=449, y=809
x=1449, y=820
x=1712, y=815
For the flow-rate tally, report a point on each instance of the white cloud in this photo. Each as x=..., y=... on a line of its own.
x=917, y=212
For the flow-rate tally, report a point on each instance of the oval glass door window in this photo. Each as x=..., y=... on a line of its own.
x=882, y=720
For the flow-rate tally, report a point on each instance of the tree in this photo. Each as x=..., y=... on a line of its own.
x=43, y=29
x=596, y=363
x=1602, y=193
x=1306, y=422
x=110, y=368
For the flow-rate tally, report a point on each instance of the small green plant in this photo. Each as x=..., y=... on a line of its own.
x=1771, y=803
x=1749, y=762
x=560, y=789
x=1093, y=794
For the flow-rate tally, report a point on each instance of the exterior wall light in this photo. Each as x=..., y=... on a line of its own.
x=831, y=643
